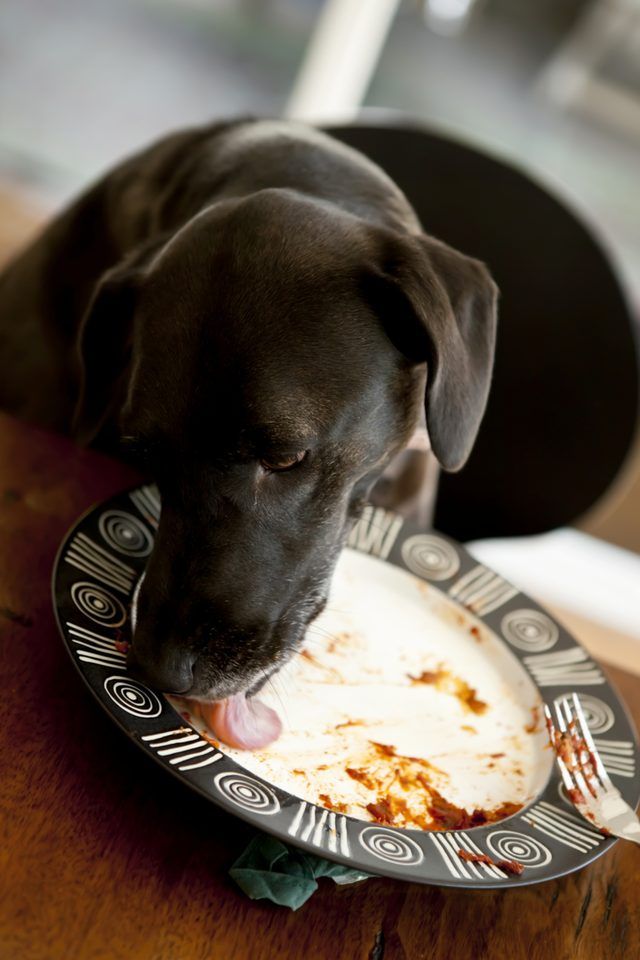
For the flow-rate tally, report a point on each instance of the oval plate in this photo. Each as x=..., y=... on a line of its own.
x=95, y=574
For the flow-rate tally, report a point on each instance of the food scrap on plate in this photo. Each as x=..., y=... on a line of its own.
x=509, y=866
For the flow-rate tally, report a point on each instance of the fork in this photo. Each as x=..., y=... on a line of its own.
x=586, y=781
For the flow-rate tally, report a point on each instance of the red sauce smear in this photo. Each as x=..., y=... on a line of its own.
x=575, y=795
x=535, y=720
x=338, y=639
x=509, y=866
x=212, y=740
x=363, y=777
x=571, y=747
x=427, y=676
x=447, y=683
x=382, y=811
x=451, y=817
x=405, y=795
x=330, y=804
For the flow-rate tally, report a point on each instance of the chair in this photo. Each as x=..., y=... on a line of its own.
x=563, y=410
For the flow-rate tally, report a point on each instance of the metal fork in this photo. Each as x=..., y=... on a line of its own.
x=586, y=781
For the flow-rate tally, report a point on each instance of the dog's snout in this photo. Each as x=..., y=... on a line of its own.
x=171, y=672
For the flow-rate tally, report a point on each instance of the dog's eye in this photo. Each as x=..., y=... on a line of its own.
x=277, y=464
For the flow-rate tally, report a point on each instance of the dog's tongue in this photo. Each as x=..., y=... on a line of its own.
x=245, y=724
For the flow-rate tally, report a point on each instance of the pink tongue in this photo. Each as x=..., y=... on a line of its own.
x=242, y=723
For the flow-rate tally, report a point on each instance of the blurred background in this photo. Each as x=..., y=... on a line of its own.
x=552, y=86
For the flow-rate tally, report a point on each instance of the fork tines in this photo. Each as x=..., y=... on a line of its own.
x=582, y=770
x=586, y=781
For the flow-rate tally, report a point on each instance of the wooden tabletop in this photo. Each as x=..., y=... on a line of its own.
x=105, y=856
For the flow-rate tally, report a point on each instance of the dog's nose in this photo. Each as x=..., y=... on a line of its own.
x=171, y=672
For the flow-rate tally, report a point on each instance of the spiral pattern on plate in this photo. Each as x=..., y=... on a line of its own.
x=246, y=792
x=430, y=557
x=598, y=714
x=530, y=630
x=98, y=604
x=509, y=845
x=132, y=697
x=391, y=847
x=125, y=533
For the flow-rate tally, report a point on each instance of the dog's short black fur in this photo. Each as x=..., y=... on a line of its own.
x=233, y=300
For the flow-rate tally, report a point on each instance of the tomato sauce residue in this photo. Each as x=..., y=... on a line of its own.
x=362, y=777
x=407, y=797
x=447, y=683
x=382, y=811
x=427, y=676
x=571, y=748
x=212, y=740
x=330, y=804
x=339, y=640
x=332, y=675
x=576, y=796
x=450, y=817
x=509, y=866
x=535, y=721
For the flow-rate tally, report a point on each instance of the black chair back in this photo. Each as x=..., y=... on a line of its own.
x=563, y=409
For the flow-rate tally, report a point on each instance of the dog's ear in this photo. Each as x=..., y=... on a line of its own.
x=105, y=341
x=104, y=349
x=439, y=306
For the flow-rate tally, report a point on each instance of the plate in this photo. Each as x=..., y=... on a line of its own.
x=460, y=660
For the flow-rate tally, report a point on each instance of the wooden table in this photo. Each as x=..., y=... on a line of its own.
x=105, y=856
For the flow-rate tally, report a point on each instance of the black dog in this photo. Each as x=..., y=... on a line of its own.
x=254, y=310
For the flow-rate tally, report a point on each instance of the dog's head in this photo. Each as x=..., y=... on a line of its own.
x=267, y=361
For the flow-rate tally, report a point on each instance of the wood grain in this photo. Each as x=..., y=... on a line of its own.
x=104, y=856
